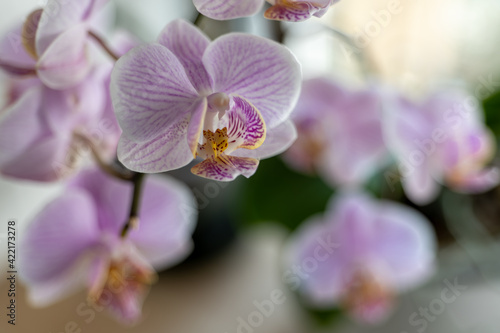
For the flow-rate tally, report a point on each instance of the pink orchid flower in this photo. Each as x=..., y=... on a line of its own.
x=442, y=140
x=376, y=249
x=226, y=102
x=75, y=242
x=42, y=127
x=283, y=10
x=340, y=133
x=57, y=43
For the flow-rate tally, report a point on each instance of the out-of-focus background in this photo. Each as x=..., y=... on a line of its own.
x=425, y=44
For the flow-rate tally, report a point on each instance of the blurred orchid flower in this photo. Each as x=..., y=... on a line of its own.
x=381, y=249
x=227, y=102
x=41, y=128
x=340, y=133
x=75, y=241
x=39, y=131
x=442, y=140
x=56, y=39
x=283, y=10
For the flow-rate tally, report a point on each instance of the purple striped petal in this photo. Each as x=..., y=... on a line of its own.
x=188, y=43
x=296, y=10
x=168, y=217
x=278, y=140
x=151, y=92
x=65, y=63
x=263, y=72
x=171, y=149
x=246, y=123
x=228, y=9
x=57, y=237
x=225, y=167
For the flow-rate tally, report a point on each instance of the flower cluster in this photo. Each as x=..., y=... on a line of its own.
x=347, y=136
x=99, y=110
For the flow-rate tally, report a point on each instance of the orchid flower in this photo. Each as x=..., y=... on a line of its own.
x=340, y=133
x=43, y=127
x=226, y=102
x=361, y=254
x=75, y=242
x=442, y=140
x=39, y=132
x=283, y=10
x=57, y=41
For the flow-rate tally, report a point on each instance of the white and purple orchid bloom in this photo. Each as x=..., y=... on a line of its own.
x=226, y=101
x=57, y=43
x=361, y=254
x=442, y=140
x=75, y=241
x=340, y=133
x=282, y=10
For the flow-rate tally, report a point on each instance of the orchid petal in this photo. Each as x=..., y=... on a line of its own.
x=64, y=63
x=58, y=17
x=406, y=241
x=20, y=125
x=150, y=92
x=13, y=57
x=263, y=72
x=278, y=140
x=188, y=43
x=58, y=237
x=292, y=11
x=228, y=9
x=170, y=150
x=225, y=167
x=51, y=156
x=246, y=123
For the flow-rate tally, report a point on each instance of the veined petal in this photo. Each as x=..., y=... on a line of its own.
x=64, y=63
x=245, y=123
x=195, y=126
x=278, y=140
x=228, y=9
x=225, y=167
x=150, y=92
x=58, y=236
x=263, y=72
x=168, y=151
x=168, y=217
x=188, y=43
x=289, y=10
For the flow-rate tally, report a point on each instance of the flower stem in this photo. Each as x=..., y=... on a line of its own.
x=133, y=220
x=197, y=20
x=109, y=169
x=104, y=46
